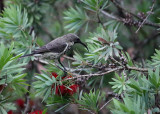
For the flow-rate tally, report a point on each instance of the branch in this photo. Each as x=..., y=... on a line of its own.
x=70, y=58
x=138, y=69
x=147, y=22
x=27, y=106
x=27, y=100
x=131, y=22
x=107, y=72
x=111, y=16
x=106, y=103
x=116, y=62
x=98, y=73
x=124, y=20
x=149, y=13
x=95, y=74
x=120, y=7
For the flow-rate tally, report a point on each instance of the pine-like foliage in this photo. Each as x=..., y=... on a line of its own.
x=119, y=73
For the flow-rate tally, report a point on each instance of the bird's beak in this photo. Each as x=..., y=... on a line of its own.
x=84, y=45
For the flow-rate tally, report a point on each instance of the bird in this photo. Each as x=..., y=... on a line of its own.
x=57, y=47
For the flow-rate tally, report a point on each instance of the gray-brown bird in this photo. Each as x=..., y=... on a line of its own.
x=57, y=47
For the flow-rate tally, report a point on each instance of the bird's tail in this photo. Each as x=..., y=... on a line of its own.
x=27, y=55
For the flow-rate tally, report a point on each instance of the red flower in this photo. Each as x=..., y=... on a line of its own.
x=10, y=112
x=73, y=89
x=36, y=112
x=54, y=74
x=60, y=90
x=20, y=103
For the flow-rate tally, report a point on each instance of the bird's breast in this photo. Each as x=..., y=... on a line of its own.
x=70, y=44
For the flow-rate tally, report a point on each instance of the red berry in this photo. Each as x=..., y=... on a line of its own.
x=60, y=90
x=20, y=103
x=73, y=89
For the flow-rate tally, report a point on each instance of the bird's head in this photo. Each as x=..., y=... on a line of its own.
x=74, y=38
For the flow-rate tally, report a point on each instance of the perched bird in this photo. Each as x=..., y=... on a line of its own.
x=57, y=47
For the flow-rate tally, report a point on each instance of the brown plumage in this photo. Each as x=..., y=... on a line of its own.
x=58, y=46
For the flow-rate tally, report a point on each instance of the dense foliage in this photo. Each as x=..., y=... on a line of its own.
x=119, y=73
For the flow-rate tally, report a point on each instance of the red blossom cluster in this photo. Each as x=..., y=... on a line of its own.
x=62, y=89
x=54, y=74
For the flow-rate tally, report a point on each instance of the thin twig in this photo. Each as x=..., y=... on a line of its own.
x=27, y=105
x=27, y=95
x=95, y=74
x=147, y=22
x=138, y=69
x=149, y=13
x=120, y=7
x=106, y=103
x=70, y=58
x=110, y=16
x=115, y=61
x=27, y=100
x=122, y=19
x=107, y=72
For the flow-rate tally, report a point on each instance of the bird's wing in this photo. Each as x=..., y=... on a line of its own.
x=56, y=47
x=40, y=50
